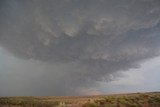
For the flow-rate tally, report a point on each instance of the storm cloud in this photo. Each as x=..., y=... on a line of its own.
x=84, y=41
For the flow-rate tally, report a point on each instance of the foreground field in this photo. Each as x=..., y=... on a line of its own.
x=118, y=100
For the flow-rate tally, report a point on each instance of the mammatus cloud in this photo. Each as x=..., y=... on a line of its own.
x=95, y=39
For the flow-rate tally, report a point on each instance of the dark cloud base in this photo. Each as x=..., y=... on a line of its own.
x=94, y=38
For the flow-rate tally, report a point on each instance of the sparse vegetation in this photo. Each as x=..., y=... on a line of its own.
x=121, y=100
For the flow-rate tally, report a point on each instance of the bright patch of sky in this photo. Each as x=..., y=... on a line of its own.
x=145, y=78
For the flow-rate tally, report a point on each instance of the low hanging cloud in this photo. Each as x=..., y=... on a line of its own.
x=94, y=39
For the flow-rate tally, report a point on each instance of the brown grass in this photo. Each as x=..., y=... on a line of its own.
x=117, y=100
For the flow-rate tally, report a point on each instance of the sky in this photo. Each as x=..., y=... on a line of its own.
x=79, y=47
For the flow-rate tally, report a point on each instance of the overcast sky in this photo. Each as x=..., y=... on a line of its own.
x=79, y=47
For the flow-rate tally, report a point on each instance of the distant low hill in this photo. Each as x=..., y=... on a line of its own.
x=150, y=99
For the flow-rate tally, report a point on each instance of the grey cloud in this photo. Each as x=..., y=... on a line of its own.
x=100, y=37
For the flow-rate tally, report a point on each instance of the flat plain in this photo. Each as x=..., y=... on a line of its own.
x=148, y=99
